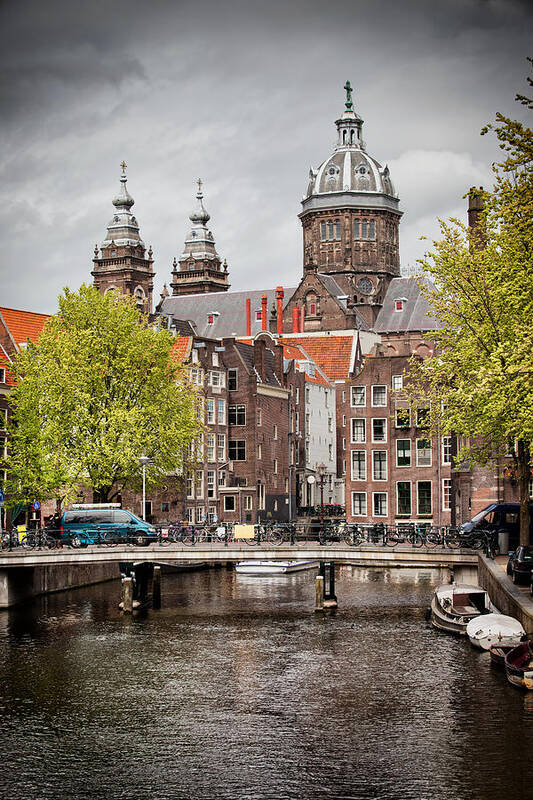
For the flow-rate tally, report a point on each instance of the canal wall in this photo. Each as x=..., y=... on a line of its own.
x=22, y=583
x=504, y=594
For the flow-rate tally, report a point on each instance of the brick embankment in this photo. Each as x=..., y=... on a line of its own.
x=508, y=598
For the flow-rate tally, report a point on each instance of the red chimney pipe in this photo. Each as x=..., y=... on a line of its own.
x=264, y=301
x=279, y=309
x=248, y=318
x=295, y=319
x=302, y=319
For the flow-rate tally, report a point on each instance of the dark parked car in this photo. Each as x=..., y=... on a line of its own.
x=520, y=564
x=502, y=520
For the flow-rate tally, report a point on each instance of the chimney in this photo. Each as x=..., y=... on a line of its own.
x=295, y=319
x=279, y=309
x=260, y=358
x=302, y=319
x=278, y=363
x=264, y=301
x=248, y=318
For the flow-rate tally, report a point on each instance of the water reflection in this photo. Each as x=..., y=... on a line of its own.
x=236, y=689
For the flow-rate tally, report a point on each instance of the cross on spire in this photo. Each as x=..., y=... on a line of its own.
x=199, y=182
x=349, y=90
x=123, y=166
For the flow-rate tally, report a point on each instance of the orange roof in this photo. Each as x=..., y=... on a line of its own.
x=316, y=378
x=5, y=362
x=332, y=354
x=181, y=348
x=24, y=326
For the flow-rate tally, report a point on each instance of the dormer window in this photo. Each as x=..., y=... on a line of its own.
x=210, y=319
x=113, y=253
x=258, y=316
x=399, y=303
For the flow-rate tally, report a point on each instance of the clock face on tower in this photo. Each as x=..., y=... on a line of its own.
x=365, y=286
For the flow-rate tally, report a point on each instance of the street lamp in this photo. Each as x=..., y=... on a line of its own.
x=143, y=461
x=321, y=472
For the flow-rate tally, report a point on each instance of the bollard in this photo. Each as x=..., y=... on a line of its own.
x=127, y=595
x=330, y=601
x=156, y=587
x=319, y=593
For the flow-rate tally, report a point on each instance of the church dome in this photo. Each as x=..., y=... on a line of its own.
x=350, y=177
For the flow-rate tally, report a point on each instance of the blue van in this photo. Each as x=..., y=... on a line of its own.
x=106, y=524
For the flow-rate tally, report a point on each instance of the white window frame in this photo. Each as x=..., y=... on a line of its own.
x=397, y=383
x=380, y=419
x=410, y=464
x=447, y=490
x=230, y=497
x=353, y=439
x=386, y=496
x=418, y=464
x=446, y=447
x=210, y=411
x=362, y=476
x=221, y=447
x=402, y=409
x=373, y=388
x=380, y=480
x=221, y=412
x=363, y=513
x=352, y=396
x=424, y=513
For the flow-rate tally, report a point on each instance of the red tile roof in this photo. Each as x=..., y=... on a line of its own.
x=5, y=363
x=316, y=378
x=23, y=325
x=181, y=348
x=332, y=354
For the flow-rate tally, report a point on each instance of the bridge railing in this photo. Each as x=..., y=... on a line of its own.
x=293, y=534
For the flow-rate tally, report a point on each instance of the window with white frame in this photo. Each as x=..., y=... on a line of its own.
x=446, y=449
x=379, y=504
x=215, y=360
x=379, y=465
x=212, y=514
x=379, y=429
x=260, y=496
x=330, y=452
x=344, y=443
x=330, y=424
x=358, y=396
x=190, y=515
x=229, y=502
x=422, y=417
x=358, y=465
x=379, y=396
x=222, y=478
x=344, y=397
x=403, y=497
x=2, y=375
x=199, y=484
x=221, y=406
x=297, y=395
x=344, y=420
x=210, y=411
x=344, y=466
x=210, y=446
x=216, y=378
x=232, y=379
x=403, y=452
x=358, y=431
x=275, y=466
x=423, y=453
x=190, y=486
x=403, y=418
x=248, y=501
x=210, y=483
x=258, y=417
x=221, y=446
x=275, y=432
x=297, y=421
x=424, y=497
x=397, y=383
x=359, y=504
x=197, y=375
x=237, y=415
x=259, y=451
x=447, y=494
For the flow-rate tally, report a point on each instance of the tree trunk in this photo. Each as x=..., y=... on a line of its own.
x=524, y=476
x=101, y=495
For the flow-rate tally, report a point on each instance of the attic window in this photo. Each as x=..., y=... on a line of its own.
x=258, y=316
x=210, y=319
x=398, y=304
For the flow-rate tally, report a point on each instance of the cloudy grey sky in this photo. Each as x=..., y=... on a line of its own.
x=244, y=95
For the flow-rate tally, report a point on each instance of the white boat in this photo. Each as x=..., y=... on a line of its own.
x=494, y=629
x=273, y=567
x=455, y=604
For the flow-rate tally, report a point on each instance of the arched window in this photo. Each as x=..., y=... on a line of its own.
x=311, y=304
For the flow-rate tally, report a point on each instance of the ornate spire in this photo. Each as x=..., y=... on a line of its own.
x=123, y=228
x=199, y=215
x=349, y=104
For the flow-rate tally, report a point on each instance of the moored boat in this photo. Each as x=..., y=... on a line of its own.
x=519, y=666
x=498, y=653
x=273, y=567
x=495, y=629
x=454, y=604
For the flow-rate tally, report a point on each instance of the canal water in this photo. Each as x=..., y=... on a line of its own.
x=236, y=689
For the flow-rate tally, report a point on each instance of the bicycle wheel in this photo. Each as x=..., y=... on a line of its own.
x=29, y=541
x=274, y=537
x=452, y=540
x=416, y=540
x=48, y=541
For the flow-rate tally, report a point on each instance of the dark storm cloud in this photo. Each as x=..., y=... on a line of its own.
x=244, y=94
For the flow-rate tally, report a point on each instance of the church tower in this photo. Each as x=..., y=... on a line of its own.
x=122, y=262
x=350, y=219
x=198, y=269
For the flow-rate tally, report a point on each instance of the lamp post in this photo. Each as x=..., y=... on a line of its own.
x=321, y=472
x=143, y=461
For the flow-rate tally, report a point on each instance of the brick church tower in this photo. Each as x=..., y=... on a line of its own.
x=198, y=269
x=350, y=219
x=123, y=263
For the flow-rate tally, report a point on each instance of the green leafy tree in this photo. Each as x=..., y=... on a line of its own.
x=98, y=390
x=480, y=376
